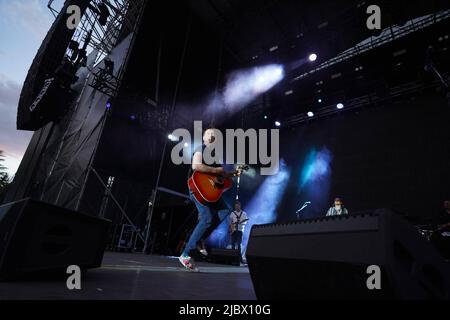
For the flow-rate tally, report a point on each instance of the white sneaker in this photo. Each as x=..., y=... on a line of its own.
x=187, y=262
x=204, y=252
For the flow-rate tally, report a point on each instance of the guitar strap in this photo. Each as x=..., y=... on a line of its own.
x=238, y=216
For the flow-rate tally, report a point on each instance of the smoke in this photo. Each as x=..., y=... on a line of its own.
x=262, y=207
x=243, y=86
x=314, y=181
x=317, y=166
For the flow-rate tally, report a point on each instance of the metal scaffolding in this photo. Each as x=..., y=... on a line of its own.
x=101, y=29
x=103, y=24
x=387, y=35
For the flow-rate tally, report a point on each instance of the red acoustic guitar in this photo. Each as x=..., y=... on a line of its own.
x=208, y=188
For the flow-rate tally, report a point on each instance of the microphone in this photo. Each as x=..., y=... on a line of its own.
x=303, y=206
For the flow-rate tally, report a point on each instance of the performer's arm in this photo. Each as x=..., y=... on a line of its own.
x=244, y=217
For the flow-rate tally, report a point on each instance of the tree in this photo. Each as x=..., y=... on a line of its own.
x=4, y=177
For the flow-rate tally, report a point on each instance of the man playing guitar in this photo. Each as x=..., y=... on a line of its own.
x=211, y=214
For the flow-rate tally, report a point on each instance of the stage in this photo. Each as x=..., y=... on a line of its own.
x=139, y=277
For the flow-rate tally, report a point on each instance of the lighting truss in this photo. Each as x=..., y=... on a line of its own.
x=387, y=35
x=124, y=18
x=372, y=99
x=105, y=82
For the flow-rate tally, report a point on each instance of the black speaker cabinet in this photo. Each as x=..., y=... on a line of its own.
x=329, y=258
x=35, y=237
x=224, y=256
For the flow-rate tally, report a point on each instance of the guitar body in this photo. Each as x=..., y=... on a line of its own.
x=208, y=188
x=233, y=226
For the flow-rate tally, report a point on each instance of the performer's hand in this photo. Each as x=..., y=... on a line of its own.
x=238, y=172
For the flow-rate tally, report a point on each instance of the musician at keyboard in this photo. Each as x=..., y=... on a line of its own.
x=338, y=208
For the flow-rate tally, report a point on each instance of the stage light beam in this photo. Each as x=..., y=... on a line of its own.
x=262, y=207
x=315, y=180
x=245, y=85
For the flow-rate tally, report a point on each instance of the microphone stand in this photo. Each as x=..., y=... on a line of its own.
x=303, y=207
x=431, y=66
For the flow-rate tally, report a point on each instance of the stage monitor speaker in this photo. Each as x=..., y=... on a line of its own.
x=366, y=256
x=37, y=237
x=224, y=256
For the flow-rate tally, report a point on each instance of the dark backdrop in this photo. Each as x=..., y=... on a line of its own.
x=393, y=156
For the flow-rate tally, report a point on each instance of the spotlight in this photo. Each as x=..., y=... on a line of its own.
x=319, y=100
x=265, y=117
x=279, y=71
x=277, y=123
x=108, y=105
x=289, y=92
x=273, y=48
x=172, y=137
x=133, y=117
x=310, y=114
x=339, y=106
x=265, y=78
x=186, y=144
x=312, y=57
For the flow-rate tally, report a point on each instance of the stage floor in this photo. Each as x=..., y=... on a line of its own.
x=138, y=277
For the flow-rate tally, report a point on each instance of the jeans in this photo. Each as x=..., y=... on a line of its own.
x=210, y=216
x=236, y=240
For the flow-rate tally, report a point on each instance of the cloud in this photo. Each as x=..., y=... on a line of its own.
x=31, y=15
x=12, y=141
x=9, y=92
